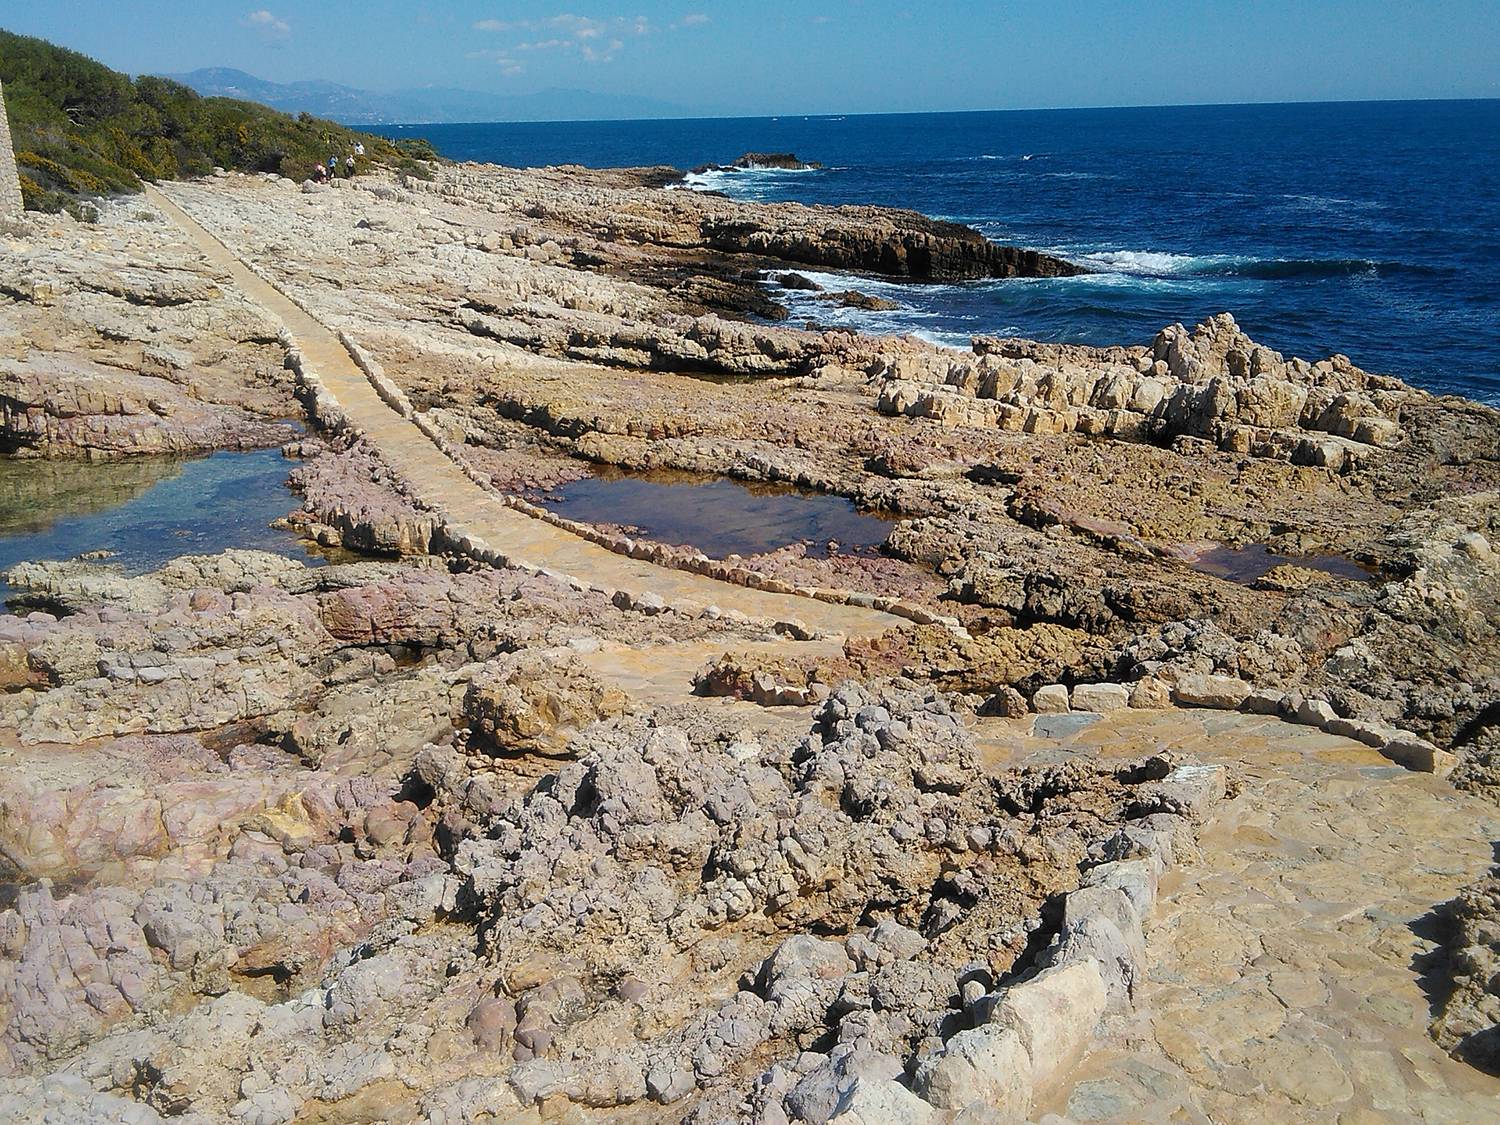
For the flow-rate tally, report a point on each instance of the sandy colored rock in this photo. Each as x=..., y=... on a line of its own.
x=288, y=880
x=1050, y=700
x=537, y=703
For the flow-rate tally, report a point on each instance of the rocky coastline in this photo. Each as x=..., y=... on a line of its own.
x=508, y=819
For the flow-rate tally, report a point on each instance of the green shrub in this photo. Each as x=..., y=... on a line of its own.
x=34, y=197
x=81, y=129
x=58, y=176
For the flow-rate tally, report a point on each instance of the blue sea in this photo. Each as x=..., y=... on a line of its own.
x=1369, y=228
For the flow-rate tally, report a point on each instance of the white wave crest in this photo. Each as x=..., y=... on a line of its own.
x=1155, y=263
x=753, y=183
x=769, y=169
x=700, y=181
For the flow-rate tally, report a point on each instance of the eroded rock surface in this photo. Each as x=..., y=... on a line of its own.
x=122, y=341
x=415, y=837
x=1468, y=1023
x=51, y=407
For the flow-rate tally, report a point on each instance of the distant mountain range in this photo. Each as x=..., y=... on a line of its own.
x=426, y=105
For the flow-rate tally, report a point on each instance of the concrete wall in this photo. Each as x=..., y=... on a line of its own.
x=10, y=185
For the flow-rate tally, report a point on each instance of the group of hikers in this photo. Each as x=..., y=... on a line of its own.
x=324, y=173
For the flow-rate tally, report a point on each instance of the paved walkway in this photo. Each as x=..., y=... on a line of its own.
x=440, y=483
x=1285, y=964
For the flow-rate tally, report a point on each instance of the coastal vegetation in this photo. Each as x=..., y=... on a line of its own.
x=82, y=130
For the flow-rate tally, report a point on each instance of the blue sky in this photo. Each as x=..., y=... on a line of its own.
x=817, y=56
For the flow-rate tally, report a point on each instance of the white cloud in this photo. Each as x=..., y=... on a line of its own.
x=510, y=67
x=593, y=40
x=270, y=26
x=604, y=53
x=692, y=19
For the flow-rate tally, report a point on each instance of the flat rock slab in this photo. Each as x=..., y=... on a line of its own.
x=1064, y=725
x=1280, y=982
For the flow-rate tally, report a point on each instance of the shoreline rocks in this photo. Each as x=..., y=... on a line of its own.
x=1214, y=383
x=56, y=407
x=755, y=161
x=421, y=832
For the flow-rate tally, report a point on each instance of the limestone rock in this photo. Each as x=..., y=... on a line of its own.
x=987, y=1066
x=1050, y=700
x=1151, y=694
x=883, y=1103
x=1418, y=754
x=537, y=702
x=1100, y=697
x=53, y=406
x=1223, y=692
x=1053, y=1015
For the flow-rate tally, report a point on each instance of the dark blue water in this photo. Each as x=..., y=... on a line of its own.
x=1369, y=228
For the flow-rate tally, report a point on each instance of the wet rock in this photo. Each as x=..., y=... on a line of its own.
x=853, y=299
x=792, y=280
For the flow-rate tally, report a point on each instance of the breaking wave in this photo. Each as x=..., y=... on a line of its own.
x=755, y=183
x=1157, y=263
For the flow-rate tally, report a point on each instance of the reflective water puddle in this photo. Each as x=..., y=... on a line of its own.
x=146, y=511
x=718, y=516
x=1254, y=560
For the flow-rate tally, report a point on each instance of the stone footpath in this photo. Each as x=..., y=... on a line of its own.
x=442, y=485
x=1285, y=978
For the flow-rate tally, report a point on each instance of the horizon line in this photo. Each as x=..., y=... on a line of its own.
x=912, y=112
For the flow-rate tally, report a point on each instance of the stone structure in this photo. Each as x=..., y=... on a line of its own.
x=10, y=183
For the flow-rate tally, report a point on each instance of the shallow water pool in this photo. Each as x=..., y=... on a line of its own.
x=1254, y=560
x=719, y=516
x=146, y=511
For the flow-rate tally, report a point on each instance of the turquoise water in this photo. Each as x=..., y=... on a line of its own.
x=146, y=511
